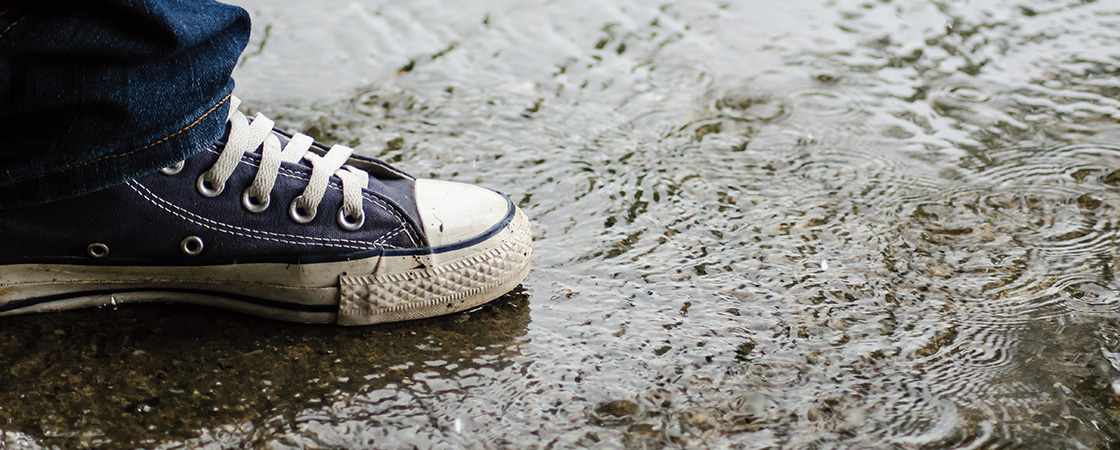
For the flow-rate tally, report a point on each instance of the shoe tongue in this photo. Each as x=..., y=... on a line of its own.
x=284, y=138
x=281, y=136
x=374, y=167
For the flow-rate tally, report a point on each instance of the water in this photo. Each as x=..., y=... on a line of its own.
x=801, y=224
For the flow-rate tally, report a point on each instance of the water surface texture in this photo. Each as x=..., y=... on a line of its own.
x=783, y=224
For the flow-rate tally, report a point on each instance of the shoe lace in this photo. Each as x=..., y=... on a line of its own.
x=246, y=136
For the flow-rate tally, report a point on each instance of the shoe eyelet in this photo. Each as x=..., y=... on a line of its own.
x=192, y=245
x=98, y=250
x=252, y=205
x=206, y=187
x=173, y=169
x=350, y=224
x=299, y=212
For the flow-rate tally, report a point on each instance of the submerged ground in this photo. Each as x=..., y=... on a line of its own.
x=801, y=224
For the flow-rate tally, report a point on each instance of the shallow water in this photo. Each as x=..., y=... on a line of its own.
x=801, y=224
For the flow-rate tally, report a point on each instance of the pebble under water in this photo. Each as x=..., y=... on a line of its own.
x=795, y=224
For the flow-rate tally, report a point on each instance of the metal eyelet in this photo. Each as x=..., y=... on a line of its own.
x=299, y=212
x=98, y=250
x=350, y=224
x=192, y=245
x=173, y=169
x=206, y=187
x=252, y=204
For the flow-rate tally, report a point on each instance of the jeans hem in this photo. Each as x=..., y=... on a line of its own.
x=167, y=146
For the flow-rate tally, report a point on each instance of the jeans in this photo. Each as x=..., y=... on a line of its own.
x=95, y=92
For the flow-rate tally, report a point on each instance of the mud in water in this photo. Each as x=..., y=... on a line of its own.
x=798, y=224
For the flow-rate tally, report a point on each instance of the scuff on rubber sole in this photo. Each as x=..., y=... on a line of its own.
x=451, y=285
x=381, y=289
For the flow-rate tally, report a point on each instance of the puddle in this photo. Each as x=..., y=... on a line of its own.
x=803, y=224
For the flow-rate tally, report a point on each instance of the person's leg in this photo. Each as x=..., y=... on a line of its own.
x=95, y=92
x=244, y=217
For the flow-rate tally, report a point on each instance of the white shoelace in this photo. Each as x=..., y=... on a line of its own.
x=247, y=137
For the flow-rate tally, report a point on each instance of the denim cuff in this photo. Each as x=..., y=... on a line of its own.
x=135, y=157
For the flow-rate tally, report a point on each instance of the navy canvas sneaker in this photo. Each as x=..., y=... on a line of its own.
x=271, y=225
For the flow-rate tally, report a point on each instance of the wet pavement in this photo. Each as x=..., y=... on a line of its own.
x=797, y=224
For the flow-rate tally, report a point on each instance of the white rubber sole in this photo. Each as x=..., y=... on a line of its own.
x=358, y=292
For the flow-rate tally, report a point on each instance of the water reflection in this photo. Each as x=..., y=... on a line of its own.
x=145, y=373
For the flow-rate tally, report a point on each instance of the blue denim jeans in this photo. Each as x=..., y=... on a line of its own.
x=95, y=92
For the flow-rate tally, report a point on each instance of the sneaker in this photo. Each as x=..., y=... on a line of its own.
x=271, y=225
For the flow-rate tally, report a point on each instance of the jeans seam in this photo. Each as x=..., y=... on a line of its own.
x=118, y=155
x=2, y=33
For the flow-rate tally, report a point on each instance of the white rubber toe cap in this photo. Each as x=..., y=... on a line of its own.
x=453, y=212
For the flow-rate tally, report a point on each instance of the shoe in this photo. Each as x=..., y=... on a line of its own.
x=271, y=225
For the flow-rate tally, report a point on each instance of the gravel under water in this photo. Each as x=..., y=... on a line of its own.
x=796, y=224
